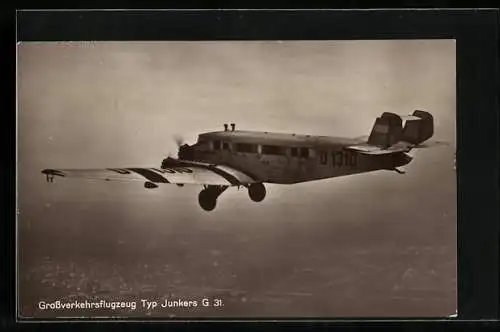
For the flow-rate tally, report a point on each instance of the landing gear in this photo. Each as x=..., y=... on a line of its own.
x=206, y=200
x=208, y=197
x=257, y=192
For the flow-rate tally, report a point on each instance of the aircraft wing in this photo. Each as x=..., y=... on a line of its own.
x=203, y=174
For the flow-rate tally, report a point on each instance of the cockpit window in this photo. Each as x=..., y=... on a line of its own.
x=272, y=149
x=247, y=148
x=203, y=145
x=216, y=145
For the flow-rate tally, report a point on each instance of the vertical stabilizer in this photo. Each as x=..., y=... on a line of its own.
x=386, y=131
x=419, y=129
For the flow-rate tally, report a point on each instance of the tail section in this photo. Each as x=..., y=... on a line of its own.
x=418, y=130
x=388, y=129
x=389, y=136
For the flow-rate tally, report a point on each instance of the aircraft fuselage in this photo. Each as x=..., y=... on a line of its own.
x=288, y=158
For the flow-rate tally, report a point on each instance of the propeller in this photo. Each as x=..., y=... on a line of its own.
x=182, y=148
x=179, y=140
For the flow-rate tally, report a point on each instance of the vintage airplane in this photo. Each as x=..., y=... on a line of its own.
x=221, y=159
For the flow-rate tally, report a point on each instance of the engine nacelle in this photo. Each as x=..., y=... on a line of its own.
x=150, y=185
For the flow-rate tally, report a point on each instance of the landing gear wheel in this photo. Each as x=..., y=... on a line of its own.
x=257, y=192
x=207, y=200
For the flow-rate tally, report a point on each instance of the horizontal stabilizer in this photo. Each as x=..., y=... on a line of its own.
x=401, y=146
x=376, y=150
x=430, y=144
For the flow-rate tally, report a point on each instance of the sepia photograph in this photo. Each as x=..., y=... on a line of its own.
x=236, y=179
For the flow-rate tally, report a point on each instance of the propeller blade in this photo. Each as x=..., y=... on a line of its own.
x=179, y=140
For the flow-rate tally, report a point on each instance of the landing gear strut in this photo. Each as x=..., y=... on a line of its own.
x=257, y=192
x=208, y=197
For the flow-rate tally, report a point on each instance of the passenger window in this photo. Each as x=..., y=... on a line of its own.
x=272, y=149
x=216, y=145
x=225, y=146
x=304, y=152
x=246, y=148
x=323, y=157
x=294, y=152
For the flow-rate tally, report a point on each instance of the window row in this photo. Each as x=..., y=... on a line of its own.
x=263, y=149
x=338, y=158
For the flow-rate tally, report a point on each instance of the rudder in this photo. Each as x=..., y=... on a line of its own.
x=386, y=131
x=418, y=130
